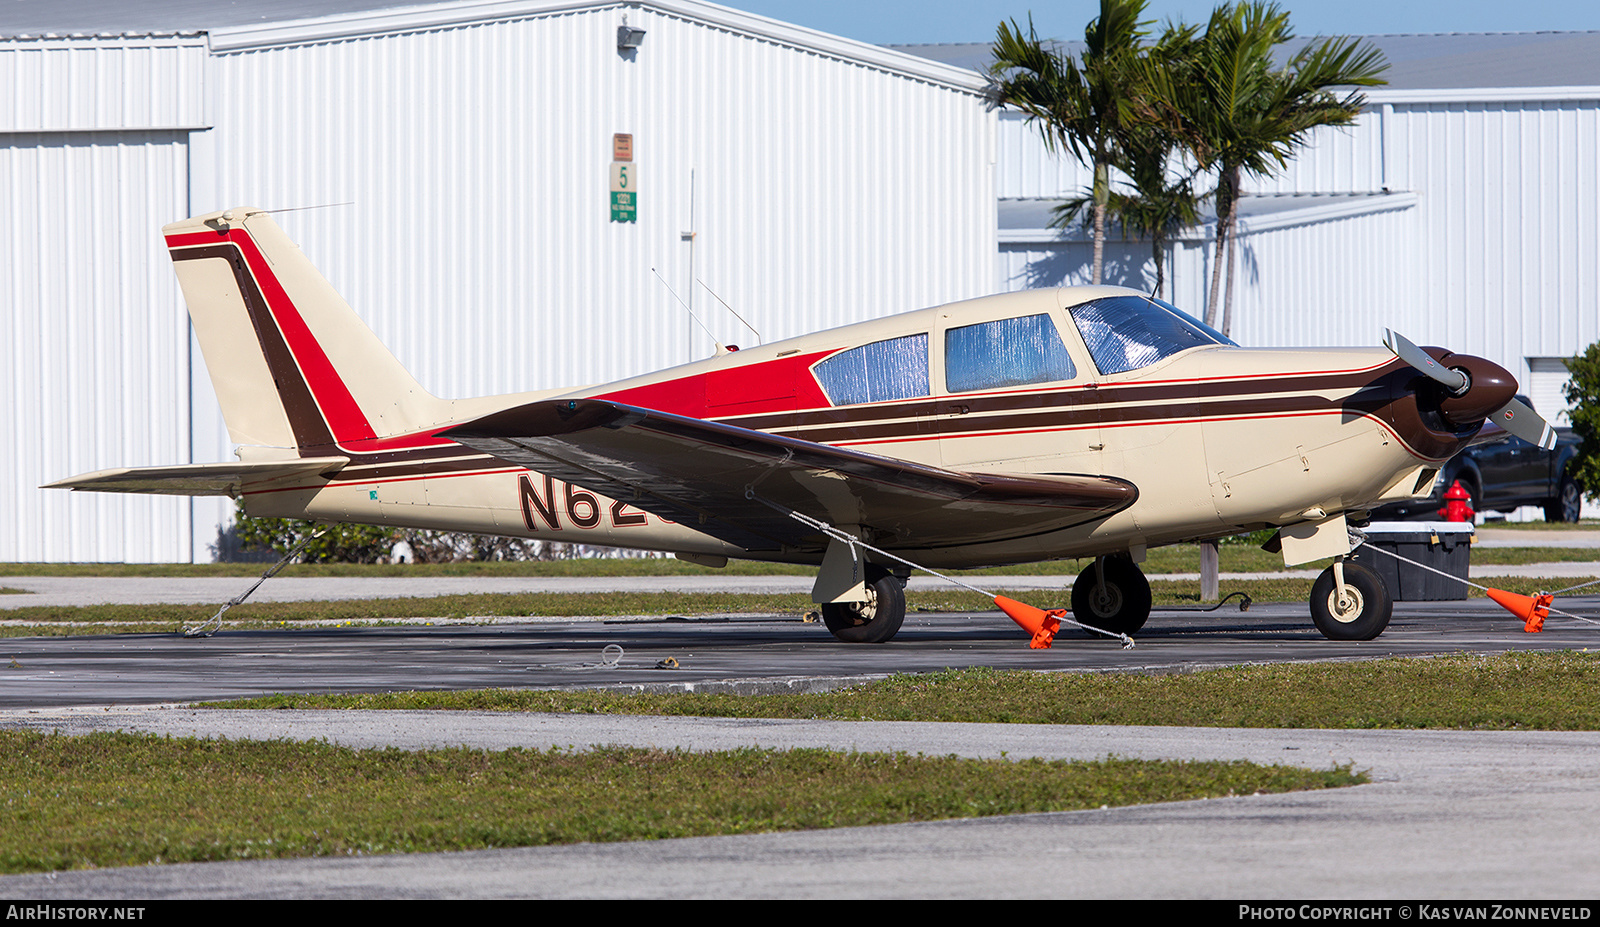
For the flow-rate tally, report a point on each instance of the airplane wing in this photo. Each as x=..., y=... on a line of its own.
x=712, y=477
x=211, y=479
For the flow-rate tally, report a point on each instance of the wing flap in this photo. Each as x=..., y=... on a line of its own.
x=718, y=479
x=210, y=479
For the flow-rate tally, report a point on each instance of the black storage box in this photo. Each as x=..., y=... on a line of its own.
x=1443, y=545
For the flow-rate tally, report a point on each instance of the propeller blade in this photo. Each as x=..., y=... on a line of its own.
x=1517, y=418
x=1514, y=416
x=1453, y=380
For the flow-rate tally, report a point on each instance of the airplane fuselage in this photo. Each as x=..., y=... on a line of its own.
x=1217, y=439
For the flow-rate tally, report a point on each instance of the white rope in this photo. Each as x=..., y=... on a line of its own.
x=1556, y=611
x=854, y=542
x=1591, y=582
x=1361, y=537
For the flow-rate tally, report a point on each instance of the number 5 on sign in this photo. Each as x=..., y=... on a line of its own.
x=624, y=192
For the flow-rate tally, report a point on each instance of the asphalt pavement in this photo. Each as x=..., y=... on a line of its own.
x=1450, y=815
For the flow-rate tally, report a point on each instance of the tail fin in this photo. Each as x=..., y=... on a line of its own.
x=292, y=364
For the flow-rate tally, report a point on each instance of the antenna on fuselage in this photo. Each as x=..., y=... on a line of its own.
x=732, y=310
x=721, y=349
x=305, y=208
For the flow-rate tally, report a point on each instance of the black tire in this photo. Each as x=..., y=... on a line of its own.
x=1121, y=606
x=874, y=621
x=1364, y=614
x=1567, y=505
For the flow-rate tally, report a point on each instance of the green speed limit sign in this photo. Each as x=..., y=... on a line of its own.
x=624, y=192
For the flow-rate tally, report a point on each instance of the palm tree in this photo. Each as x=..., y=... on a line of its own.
x=1162, y=202
x=1083, y=107
x=1159, y=198
x=1238, y=113
x=1156, y=204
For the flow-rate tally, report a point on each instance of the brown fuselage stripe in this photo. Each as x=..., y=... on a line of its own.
x=305, y=417
x=976, y=424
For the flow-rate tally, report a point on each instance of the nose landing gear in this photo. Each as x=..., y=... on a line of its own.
x=1349, y=602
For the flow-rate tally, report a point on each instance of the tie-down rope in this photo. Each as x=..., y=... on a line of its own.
x=205, y=629
x=1360, y=539
x=855, y=542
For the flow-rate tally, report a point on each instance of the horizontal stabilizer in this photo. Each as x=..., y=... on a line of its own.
x=714, y=478
x=211, y=479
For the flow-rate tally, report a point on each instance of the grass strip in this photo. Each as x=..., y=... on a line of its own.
x=1512, y=691
x=45, y=620
x=123, y=799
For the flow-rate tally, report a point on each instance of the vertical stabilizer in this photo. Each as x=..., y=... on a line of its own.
x=292, y=364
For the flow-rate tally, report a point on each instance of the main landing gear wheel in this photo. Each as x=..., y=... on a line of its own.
x=1360, y=614
x=1112, y=595
x=873, y=621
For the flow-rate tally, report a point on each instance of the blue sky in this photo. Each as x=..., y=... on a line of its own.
x=917, y=21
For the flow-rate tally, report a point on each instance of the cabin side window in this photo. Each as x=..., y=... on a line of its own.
x=1005, y=352
x=876, y=372
x=1125, y=333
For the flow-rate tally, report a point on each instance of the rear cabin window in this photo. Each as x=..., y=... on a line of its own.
x=1006, y=352
x=876, y=372
x=1128, y=332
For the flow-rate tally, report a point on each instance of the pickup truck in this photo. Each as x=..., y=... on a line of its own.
x=1503, y=474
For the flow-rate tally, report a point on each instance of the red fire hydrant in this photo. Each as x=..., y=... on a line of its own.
x=1455, y=504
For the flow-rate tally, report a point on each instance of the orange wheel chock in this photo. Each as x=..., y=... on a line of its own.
x=1042, y=624
x=1532, y=609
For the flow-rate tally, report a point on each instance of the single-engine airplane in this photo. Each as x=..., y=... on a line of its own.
x=1055, y=423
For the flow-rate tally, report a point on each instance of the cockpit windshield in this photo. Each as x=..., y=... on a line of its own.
x=1128, y=332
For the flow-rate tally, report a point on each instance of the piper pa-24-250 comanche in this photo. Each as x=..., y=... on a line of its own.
x=1055, y=423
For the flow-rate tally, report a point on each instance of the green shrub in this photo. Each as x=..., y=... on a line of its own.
x=1583, y=394
x=339, y=544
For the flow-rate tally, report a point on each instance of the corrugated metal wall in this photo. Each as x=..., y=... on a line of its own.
x=1510, y=221
x=102, y=83
x=1329, y=281
x=93, y=159
x=1026, y=167
x=96, y=347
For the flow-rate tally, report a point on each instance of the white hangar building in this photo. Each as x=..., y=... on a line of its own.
x=464, y=153
x=451, y=167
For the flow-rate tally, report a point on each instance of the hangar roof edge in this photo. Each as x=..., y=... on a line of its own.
x=266, y=23
x=1449, y=66
x=1512, y=64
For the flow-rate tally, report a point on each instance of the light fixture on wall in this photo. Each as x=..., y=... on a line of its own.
x=628, y=37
